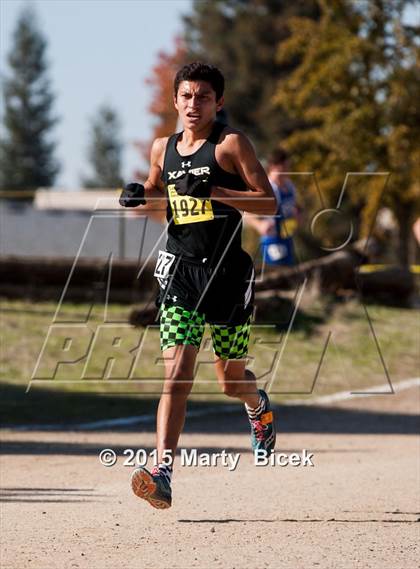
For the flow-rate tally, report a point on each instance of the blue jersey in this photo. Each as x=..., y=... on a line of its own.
x=286, y=203
x=278, y=249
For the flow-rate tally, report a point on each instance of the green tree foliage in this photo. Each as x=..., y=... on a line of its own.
x=105, y=150
x=26, y=151
x=357, y=89
x=240, y=36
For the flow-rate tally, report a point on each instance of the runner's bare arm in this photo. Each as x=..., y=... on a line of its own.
x=259, y=198
x=264, y=226
x=153, y=186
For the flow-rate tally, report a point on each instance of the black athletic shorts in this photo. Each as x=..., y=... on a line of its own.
x=224, y=292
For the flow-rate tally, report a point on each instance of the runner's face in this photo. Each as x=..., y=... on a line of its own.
x=276, y=172
x=196, y=104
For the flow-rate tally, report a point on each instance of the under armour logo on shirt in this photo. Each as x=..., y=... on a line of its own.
x=186, y=164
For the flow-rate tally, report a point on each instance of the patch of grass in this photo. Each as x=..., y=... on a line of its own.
x=330, y=347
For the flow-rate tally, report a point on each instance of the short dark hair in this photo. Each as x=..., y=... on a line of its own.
x=198, y=71
x=278, y=156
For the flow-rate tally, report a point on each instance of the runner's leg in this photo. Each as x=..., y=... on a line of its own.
x=181, y=332
x=230, y=344
x=237, y=381
x=179, y=370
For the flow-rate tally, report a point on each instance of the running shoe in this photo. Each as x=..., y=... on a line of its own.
x=152, y=487
x=263, y=432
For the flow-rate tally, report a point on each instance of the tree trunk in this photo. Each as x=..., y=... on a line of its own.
x=404, y=214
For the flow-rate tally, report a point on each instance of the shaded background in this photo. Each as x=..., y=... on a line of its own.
x=87, y=86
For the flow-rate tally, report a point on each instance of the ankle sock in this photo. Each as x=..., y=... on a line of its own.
x=254, y=412
x=163, y=470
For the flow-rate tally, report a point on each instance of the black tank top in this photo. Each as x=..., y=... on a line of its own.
x=220, y=234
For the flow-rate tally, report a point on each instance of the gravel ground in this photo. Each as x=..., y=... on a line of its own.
x=357, y=507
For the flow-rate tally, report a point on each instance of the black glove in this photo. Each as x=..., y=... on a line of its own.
x=190, y=185
x=132, y=195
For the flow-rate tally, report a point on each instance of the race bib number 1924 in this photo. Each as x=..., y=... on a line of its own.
x=187, y=209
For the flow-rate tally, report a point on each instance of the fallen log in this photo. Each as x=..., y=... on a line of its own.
x=391, y=284
x=336, y=276
x=145, y=315
x=332, y=272
x=46, y=277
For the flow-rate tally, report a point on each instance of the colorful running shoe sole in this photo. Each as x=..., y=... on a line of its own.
x=153, y=489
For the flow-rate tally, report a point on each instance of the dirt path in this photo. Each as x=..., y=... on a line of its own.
x=356, y=508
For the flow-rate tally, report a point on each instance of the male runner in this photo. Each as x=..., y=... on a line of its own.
x=207, y=172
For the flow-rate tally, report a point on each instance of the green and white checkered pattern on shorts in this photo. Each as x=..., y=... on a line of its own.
x=179, y=326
